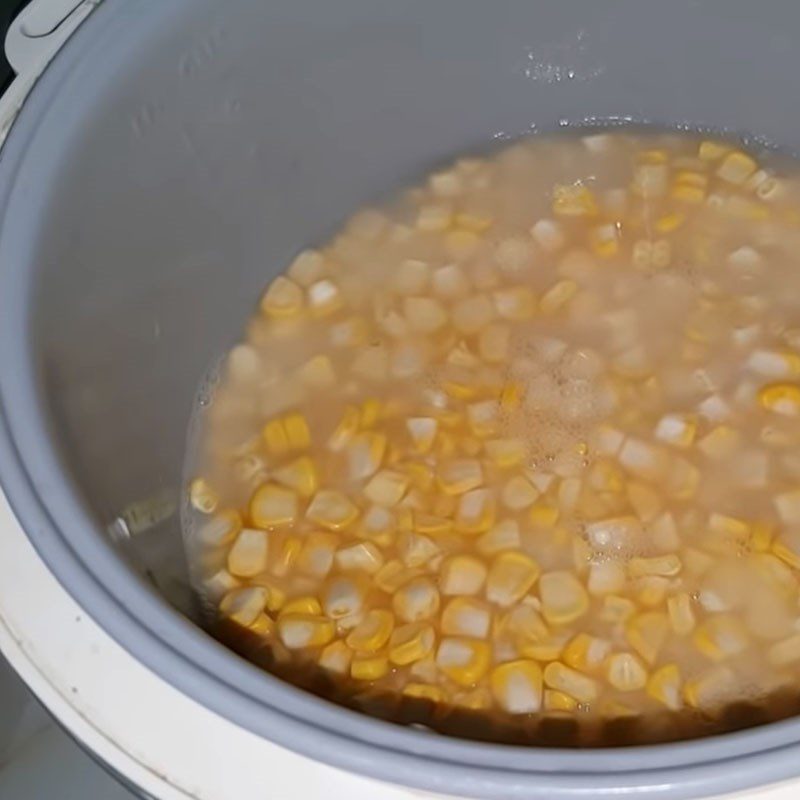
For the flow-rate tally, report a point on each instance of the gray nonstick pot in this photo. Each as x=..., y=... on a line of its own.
x=172, y=158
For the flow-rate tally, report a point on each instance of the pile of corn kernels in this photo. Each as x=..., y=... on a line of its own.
x=526, y=442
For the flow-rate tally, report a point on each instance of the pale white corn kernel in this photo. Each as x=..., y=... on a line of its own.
x=364, y=557
x=462, y=575
x=249, y=554
x=450, y=282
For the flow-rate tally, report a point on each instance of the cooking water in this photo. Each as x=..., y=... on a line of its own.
x=516, y=456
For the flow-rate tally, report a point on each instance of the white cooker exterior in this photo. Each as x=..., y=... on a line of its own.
x=162, y=742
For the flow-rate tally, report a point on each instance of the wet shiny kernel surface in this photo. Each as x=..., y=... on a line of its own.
x=519, y=453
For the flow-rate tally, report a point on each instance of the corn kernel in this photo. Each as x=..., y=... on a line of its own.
x=543, y=515
x=563, y=597
x=586, y=653
x=365, y=453
x=787, y=504
x=299, y=475
x=302, y=605
x=617, y=609
x=283, y=298
x=332, y=510
x=664, y=686
x=307, y=268
x=711, y=689
x=336, y=658
x=249, y=554
x=462, y=575
x=221, y=529
x=317, y=373
x=503, y=536
x=460, y=476
x=361, y=557
x=298, y=631
x=386, y=488
x=511, y=576
x=516, y=303
x=342, y=598
x=346, y=429
x=517, y=686
x=670, y=222
x=606, y=577
x=573, y=200
x=736, y=168
x=786, y=652
x=422, y=431
x=720, y=443
x=463, y=616
x=316, y=557
x=324, y=298
x=464, y=661
x=244, y=605
x=368, y=668
x=656, y=565
x=202, y=497
x=373, y=632
x=482, y=417
x=273, y=506
x=505, y=453
x=562, y=678
x=424, y=314
x=476, y=511
x=416, y=601
x=518, y=493
x=423, y=691
x=624, y=671
x=411, y=643
x=721, y=637
x=681, y=614
x=646, y=634
x=494, y=342
x=643, y=459
x=676, y=429
x=557, y=296
x=604, y=240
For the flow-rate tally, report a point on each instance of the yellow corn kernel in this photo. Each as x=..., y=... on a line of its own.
x=363, y=557
x=324, y=298
x=464, y=661
x=244, y=605
x=736, y=168
x=202, y=497
x=365, y=453
x=503, y=536
x=646, y=634
x=373, y=632
x=543, y=515
x=617, y=609
x=573, y=200
x=517, y=303
x=342, y=597
x=776, y=572
x=317, y=373
x=273, y=506
x=462, y=575
x=424, y=691
x=505, y=453
x=432, y=524
x=332, y=509
x=557, y=296
x=411, y=643
x=511, y=576
x=681, y=614
x=275, y=438
x=463, y=616
x=386, y=488
x=432, y=218
x=476, y=511
x=720, y=637
x=297, y=432
x=604, y=240
x=368, y=668
x=263, y=626
x=664, y=686
x=299, y=631
x=460, y=475
x=548, y=648
x=302, y=605
x=336, y=658
x=477, y=223
x=392, y=575
x=517, y=686
x=563, y=597
x=690, y=187
x=720, y=443
x=651, y=590
x=585, y=653
x=558, y=701
x=564, y=679
x=299, y=475
x=731, y=528
x=670, y=222
x=780, y=548
x=677, y=429
x=712, y=151
x=283, y=298
x=519, y=493
x=422, y=431
x=416, y=601
x=249, y=554
x=717, y=686
x=787, y=504
x=786, y=652
x=667, y=566
x=346, y=429
x=761, y=534
x=511, y=396
x=624, y=671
